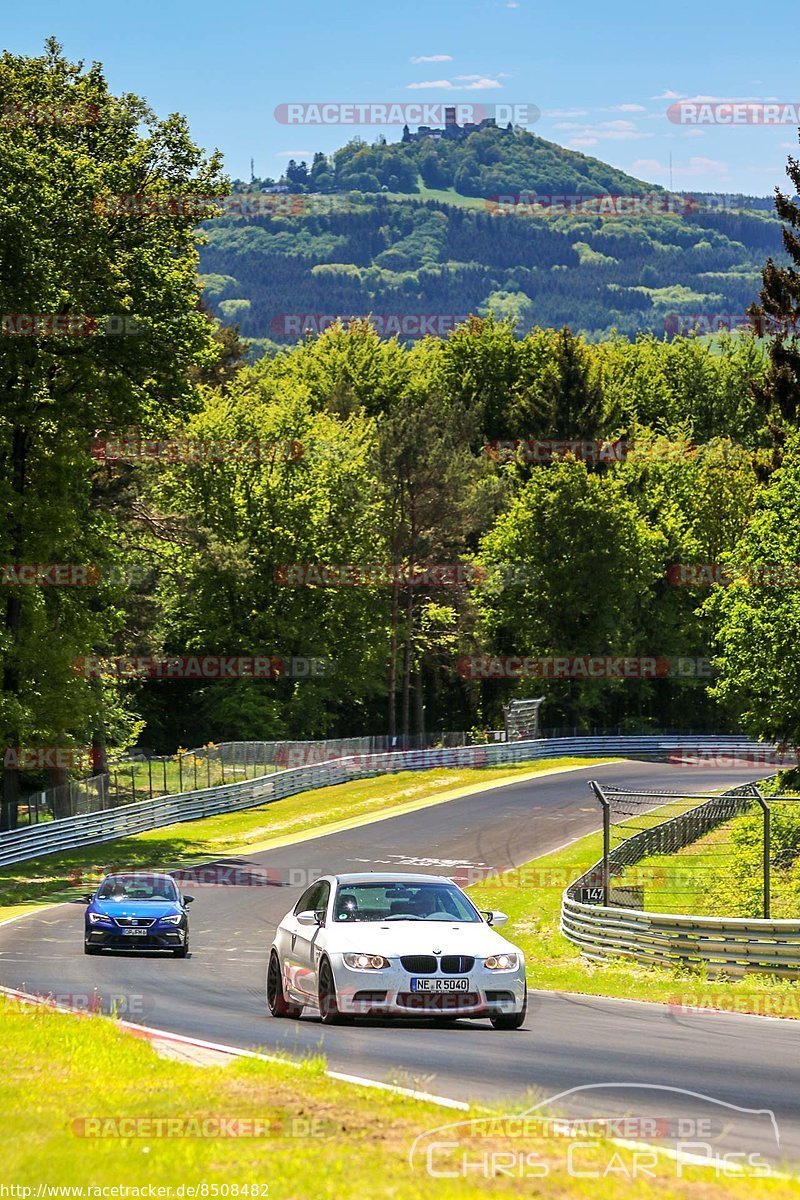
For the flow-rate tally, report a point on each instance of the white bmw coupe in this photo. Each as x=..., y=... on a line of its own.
x=394, y=945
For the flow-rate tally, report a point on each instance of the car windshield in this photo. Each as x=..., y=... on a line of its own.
x=402, y=902
x=137, y=887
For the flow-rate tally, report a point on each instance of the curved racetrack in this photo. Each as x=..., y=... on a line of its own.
x=217, y=993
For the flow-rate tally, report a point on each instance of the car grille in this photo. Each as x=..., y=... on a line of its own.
x=369, y=998
x=419, y=964
x=428, y=964
x=437, y=1001
x=134, y=922
x=456, y=964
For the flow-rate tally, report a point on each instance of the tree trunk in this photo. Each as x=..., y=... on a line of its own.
x=419, y=689
x=393, y=666
x=13, y=618
x=407, y=665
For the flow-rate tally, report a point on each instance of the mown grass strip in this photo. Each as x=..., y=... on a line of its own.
x=86, y=1104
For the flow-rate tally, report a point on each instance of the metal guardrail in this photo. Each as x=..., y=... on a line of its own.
x=733, y=945
x=33, y=841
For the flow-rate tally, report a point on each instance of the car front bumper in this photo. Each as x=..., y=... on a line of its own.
x=388, y=992
x=168, y=937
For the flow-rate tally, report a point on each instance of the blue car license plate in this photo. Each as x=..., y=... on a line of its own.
x=135, y=932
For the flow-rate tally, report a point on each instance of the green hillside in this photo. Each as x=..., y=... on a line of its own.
x=415, y=229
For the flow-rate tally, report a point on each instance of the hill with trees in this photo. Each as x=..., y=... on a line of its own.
x=499, y=221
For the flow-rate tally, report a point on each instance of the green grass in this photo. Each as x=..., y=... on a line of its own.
x=531, y=896
x=194, y=842
x=318, y=1139
x=443, y=195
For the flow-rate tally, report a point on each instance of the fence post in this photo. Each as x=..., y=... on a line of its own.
x=606, y=806
x=767, y=848
x=150, y=775
x=180, y=771
x=164, y=769
x=133, y=781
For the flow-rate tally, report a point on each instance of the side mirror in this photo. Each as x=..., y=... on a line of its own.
x=88, y=898
x=495, y=917
x=311, y=917
x=188, y=899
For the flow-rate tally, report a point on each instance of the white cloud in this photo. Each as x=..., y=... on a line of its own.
x=478, y=83
x=711, y=166
x=583, y=141
x=430, y=83
x=463, y=83
x=609, y=131
x=646, y=166
x=668, y=95
x=429, y=58
x=566, y=112
x=637, y=108
x=696, y=170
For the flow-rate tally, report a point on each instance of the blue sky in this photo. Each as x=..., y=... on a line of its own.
x=602, y=75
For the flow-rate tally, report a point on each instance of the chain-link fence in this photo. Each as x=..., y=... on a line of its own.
x=143, y=776
x=730, y=855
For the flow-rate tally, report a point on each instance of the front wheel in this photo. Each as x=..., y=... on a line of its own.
x=511, y=1020
x=87, y=949
x=181, y=951
x=277, y=1003
x=328, y=1004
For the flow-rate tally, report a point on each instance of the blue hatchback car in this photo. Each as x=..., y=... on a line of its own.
x=137, y=911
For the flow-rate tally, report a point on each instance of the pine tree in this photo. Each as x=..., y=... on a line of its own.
x=777, y=316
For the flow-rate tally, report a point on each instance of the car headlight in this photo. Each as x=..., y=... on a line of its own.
x=366, y=962
x=99, y=919
x=171, y=920
x=502, y=962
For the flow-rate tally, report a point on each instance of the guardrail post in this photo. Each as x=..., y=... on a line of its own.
x=767, y=848
x=606, y=806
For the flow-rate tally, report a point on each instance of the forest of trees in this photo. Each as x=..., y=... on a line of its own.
x=396, y=513
x=375, y=254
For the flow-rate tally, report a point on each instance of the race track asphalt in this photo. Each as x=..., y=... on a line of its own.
x=568, y=1041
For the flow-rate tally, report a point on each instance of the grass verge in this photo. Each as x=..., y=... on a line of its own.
x=193, y=842
x=69, y=1082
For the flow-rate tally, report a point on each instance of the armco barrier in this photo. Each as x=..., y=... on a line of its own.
x=729, y=945
x=733, y=945
x=19, y=845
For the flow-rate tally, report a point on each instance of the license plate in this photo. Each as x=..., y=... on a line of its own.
x=134, y=932
x=439, y=985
